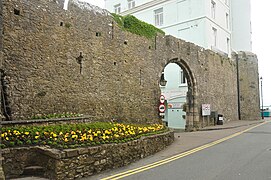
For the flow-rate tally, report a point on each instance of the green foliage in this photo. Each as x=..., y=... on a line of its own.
x=75, y=135
x=55, y=115
x=134, y=25
x=119, y=19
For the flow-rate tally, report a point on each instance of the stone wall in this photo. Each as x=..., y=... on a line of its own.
x=41, y=49
x=249, y=86
x=119, y=74
x=83, y=162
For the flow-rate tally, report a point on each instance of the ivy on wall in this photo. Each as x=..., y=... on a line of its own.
x=134, y=25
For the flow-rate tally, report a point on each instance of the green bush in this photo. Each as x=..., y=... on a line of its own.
x=134, y=25
x=55, y=115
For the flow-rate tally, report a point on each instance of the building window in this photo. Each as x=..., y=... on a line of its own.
x=228, y=46
x=131, y=4
x=214, y=36
x=117, y=8
x=227, y=20
x=182, y=78
x=213, y=7
x=158, y=17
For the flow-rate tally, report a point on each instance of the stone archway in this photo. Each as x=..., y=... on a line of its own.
x=192, y=110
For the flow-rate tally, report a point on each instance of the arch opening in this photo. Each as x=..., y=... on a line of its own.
x=178, y=85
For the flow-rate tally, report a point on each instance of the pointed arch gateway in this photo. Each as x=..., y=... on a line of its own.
x=191, y=105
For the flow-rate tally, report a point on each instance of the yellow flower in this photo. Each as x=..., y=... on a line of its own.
x=7, y=138
x=36, y=137
x=103, y=137
x=66, y=140
x=83, y=137
x=61, y=133
x=26, y=133
x=74, y=136
x=90, y=138
x=107, y=132
x=54, y=135
x=2, y=135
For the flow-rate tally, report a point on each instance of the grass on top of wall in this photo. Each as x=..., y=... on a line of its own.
x=75, y=135
x=134, y=25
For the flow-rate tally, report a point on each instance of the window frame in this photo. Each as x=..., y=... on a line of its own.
x=227, y=20
x=214, y=31
x=131, y=4
x=182, y=78
x=228, y=45
x=159, y=17
x=117, y=8
x=213, y=9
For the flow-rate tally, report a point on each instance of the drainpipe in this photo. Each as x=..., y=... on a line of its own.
x=238, y=86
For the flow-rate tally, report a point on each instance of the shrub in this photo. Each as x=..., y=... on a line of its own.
x=75, y=135
x=134, y=25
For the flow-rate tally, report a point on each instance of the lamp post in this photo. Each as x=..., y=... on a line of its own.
x=261, y=79
x=163, y=82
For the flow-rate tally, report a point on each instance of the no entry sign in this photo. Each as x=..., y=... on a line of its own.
x=162, y=108
x=162, y=99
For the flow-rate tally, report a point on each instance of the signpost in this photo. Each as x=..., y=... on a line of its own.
x=162, y=106
x=162, y=99
x=206, y=109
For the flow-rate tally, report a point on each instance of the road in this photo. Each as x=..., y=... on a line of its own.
x=242, y=156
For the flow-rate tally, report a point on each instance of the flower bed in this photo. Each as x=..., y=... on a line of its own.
x=75, y=135
x=80, y=162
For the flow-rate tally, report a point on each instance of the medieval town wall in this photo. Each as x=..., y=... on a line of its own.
x=78, y=60
x=249, y=86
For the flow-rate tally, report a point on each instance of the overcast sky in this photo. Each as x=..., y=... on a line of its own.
x=261, y=40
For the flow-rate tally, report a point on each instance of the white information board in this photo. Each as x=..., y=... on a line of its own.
x=206, y=109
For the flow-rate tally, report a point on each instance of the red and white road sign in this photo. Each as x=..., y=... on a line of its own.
x=162, y=108
x=162, y=99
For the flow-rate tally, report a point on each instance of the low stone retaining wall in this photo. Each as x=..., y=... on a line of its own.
x=81, y=162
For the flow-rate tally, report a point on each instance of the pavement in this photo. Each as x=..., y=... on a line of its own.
x=184, y=141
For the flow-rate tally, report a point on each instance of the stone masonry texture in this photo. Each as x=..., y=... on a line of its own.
x=249, y=86
x=78, y=60
x=82, y=162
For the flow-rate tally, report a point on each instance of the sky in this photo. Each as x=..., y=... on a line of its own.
x=261, y=41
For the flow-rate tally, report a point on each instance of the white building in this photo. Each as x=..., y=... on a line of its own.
x=220, y=25
x=241, y=25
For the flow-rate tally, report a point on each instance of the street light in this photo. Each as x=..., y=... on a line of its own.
x=261, y=78
x=163, y=82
